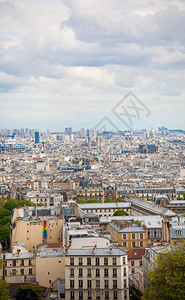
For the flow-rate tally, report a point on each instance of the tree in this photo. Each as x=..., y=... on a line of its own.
x=11, y=204
x=92, y=201
x=26, y=202
x=3, y=287
x=1, y=202
x=118, y=199
x=168, y=275
x=184, y=195
x=4, y=233
x=4, y=213
x=80, y=201
x=120, y=212
x=40, y=204
x=28, y=292
x=5, y=220
x=107, y=200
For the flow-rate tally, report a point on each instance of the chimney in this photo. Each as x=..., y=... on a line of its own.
x=94, y=248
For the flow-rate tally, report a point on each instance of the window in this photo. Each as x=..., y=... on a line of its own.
x=72, y=261
x=89, y=261
x=71, y=272
x=72, y=295
x=132, y=263
x=132, y=270
x=152, y=234
x=30, y=271
x=89, y=283
x=140, y=263
x=97, y=295
x=141, y=244
x=80, y=283
x=72, y=283
x=88, y=272
x=114, y=262
x=106, y=273
x=97, y=283
x=133, y=236
x=133, y=244
x=125, y=272
x=158, y=233
x=14, y=263
x=115, y=295
x=141, y=236
x=125, y=283
x=114, y=272
x=22, y=262
x=124, y=236
x=123, y=260
x=80, y=261
x=49, y=281
x=97, y=272
x=80, y=272
x=179, y=232
x=105, y=261
x=106, y=283
x=125, y=294
x=89, y=297
x=80, y=295
x=97, y=261
x=22, y=271
x=114, y=284
x=30, y=262
x=106, y=295
x=14, y=272
x=124, y=244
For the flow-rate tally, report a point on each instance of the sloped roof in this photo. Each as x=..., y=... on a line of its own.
x=136, y=253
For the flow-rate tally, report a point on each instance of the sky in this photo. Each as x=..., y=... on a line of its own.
x=71, y=62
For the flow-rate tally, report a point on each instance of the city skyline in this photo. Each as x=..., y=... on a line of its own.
x=71, y=62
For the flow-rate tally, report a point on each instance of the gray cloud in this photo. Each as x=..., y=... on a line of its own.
x=76, y=55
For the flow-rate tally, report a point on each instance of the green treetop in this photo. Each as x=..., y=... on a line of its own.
x=120, y=212
x=168, y=275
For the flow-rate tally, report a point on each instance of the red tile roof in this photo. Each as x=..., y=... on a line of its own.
x=136, y=253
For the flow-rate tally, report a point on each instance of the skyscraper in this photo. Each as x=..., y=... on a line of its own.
x=37, y=138
x=68, y=130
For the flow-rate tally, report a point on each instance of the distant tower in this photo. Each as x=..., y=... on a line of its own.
x=89, y=143
x=37, y=138
x=68, y=131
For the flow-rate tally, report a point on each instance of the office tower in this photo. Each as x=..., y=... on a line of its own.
x=22, y=132
x=68, y=130
x=82, y=132
x=37, y=138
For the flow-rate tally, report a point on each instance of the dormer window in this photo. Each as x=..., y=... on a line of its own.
x=179, y=232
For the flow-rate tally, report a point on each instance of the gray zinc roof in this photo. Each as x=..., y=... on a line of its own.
x=98, y=252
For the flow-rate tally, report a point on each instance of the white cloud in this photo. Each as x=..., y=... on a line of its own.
x=82, y=56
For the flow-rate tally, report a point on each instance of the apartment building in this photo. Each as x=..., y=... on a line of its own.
x=135, y=260
x=32, y=228
x=45, y=198
x=50, y=265
x=105, y=209
x=128, y=235
x=90, y=193
x=19, y=267
x=96, y=273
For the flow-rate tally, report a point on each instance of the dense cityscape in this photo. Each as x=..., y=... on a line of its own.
x=89, y=210
x=92, y=150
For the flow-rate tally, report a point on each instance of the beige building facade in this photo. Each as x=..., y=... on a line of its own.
x=50, y=265
x=98, y=273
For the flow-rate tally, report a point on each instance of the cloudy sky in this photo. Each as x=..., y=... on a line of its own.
x=69, y=62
